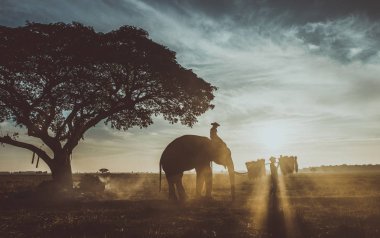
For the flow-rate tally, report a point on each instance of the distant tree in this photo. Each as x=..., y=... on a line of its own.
x=59, y=80
x=104, y=171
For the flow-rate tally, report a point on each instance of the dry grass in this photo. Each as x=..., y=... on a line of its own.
x=306, y=205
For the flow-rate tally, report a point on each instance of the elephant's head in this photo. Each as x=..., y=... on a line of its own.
x=224, y=158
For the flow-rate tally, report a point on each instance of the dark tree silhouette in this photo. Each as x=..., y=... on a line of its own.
x=104, y=170
x=59, y=80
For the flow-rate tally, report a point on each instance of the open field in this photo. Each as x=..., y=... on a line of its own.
x=305, y=205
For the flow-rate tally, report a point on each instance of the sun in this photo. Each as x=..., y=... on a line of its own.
x=273, y=136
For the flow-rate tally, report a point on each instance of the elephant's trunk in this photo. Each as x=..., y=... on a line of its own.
x=231, y=172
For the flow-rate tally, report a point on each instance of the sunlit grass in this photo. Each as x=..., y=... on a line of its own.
x=258, y=203
x=287, y=210
x=309, y=205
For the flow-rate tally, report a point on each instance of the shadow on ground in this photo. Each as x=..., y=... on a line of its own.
x=302, y=207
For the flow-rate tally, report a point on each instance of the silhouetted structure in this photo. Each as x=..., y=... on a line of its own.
x=189, y=152
x=80, y=77
x=256, y=169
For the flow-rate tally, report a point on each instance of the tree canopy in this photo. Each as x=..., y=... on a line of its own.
x=58, y=80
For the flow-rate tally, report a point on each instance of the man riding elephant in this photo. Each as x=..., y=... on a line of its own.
x=195, y=152
x=214, y=135
x=217, y=142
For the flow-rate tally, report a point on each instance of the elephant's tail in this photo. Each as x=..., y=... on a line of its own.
x=160, y=177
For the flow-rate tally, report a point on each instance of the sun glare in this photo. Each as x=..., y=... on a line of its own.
x=273, y=136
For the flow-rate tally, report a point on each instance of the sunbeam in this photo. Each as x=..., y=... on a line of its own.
x=291, y=229
x=257, y=203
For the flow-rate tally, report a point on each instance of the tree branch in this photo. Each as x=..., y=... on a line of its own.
x=79, y=131
x=42, y=154
x=22, y=110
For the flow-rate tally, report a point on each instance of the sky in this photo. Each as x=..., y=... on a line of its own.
x=294, y=77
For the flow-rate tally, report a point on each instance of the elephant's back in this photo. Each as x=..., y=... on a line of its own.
x=184, y=152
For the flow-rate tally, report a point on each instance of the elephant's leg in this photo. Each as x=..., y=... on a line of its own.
x=208, y=181
x=200, y=181
x=171, y=181
x=181, y=190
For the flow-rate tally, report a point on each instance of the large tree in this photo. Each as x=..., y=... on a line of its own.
x=59, y=80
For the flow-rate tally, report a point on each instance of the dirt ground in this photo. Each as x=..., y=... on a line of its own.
x=303, y=205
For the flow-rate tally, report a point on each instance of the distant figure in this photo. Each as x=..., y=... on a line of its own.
x=273, y=168
x=296, y=164
x=273, y=174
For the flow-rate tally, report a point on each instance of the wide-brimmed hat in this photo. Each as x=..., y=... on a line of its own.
x=215, y=124
x=272, y=159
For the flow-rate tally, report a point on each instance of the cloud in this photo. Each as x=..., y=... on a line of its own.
x=348, y=39
x=312, y=67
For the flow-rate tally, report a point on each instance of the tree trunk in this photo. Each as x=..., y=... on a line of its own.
x=61, y=171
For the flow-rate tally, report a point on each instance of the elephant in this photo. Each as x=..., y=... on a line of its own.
x=194, y=152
